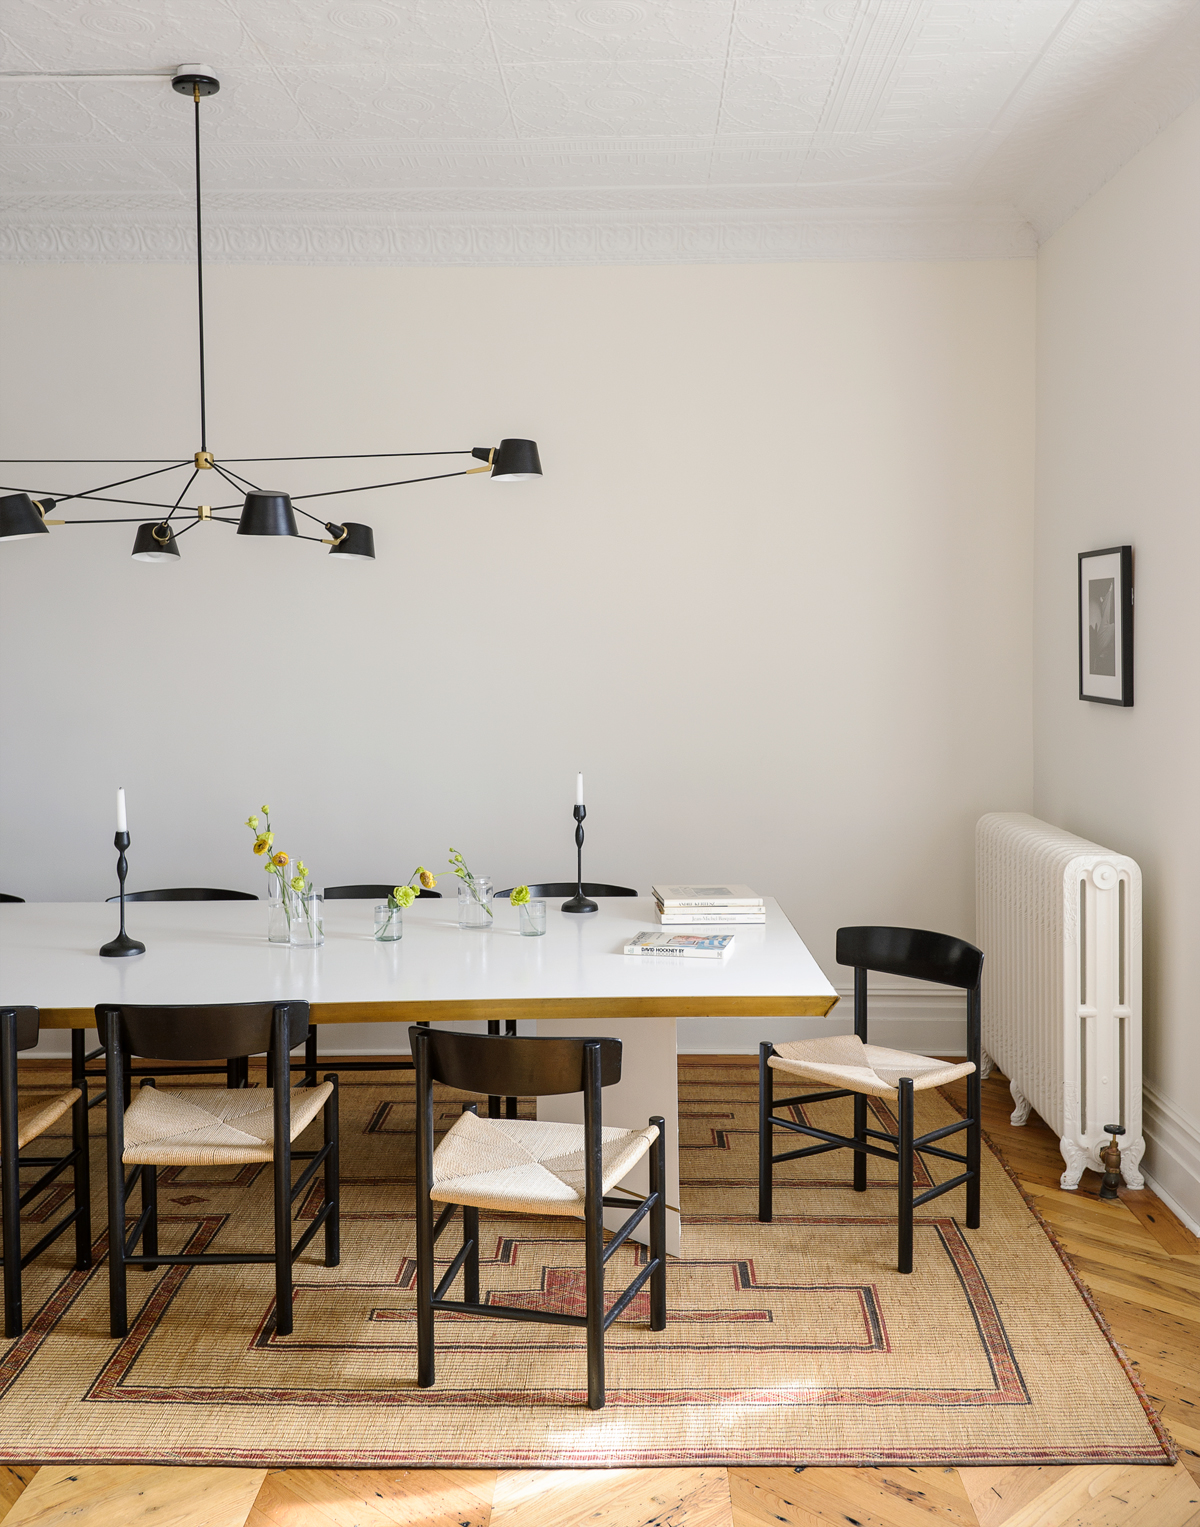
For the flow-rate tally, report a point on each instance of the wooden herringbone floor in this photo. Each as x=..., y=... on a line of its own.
x=1141, y=1264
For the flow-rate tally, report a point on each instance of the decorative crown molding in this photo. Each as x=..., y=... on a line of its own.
x=308, y=235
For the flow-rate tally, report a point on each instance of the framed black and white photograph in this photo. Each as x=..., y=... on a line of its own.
x=1106, y=625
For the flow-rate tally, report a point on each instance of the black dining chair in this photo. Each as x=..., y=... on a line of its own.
x=3, y=897
x=23, y=1119
x=376, y=892
x=548, y=888
x=473, y=1168
x=186, y=893
x=164, y=1128
x=861, y=1070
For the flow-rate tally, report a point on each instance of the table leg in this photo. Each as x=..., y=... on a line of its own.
x=649, y=1086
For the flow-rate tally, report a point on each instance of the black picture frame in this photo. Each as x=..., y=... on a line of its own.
x=1105, y=620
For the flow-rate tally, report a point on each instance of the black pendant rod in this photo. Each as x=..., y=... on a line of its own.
x=248, y=461
x=200, y=274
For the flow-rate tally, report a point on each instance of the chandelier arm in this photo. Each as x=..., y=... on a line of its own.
x=133, y=519
x=235, y=480
x=359, y=456
x=369, y=487
x=84, y=461
x=104, y=486
x=182, y=491
x=200, y=275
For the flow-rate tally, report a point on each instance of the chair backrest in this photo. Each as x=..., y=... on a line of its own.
x=369, y=892
x=187, y=1031
x=912, y=952
x=508, y=1066
x=26, y=1025
x=186, y=893
x=3, y=897
x=569, y=888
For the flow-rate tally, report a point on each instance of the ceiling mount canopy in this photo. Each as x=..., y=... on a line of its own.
x=260, y=512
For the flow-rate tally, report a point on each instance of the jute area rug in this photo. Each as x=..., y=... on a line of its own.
x=790, y=1343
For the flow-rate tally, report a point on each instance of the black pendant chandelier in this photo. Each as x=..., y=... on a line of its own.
x=263, y=512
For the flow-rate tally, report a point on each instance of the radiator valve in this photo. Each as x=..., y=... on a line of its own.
x=1111, y=1157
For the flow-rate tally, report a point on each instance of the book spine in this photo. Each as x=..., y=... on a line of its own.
x=686, y=954
x=754, y=906
x=667, y=920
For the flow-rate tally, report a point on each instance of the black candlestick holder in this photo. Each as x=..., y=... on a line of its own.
x=579, y=902
x=122, y=944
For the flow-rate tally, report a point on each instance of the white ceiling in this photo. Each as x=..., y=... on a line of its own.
x=519, y=131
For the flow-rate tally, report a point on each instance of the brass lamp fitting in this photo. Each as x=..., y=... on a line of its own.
x=203, y=459
x=204, y=511
x=338, y=533
x=1111, y=1157
x=166, y=533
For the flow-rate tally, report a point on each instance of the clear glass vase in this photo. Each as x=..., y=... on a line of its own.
x=389, y=923
x=308, y=921
x=279, y=914
x=531, y=918
x=473, y=905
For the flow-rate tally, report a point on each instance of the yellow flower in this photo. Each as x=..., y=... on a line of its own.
x=252, y=823
x=297, y=882
x=428, y=878
x=519, y=895
x=301, y=867
x=279, y=859
x=403, y=895
x=263, y=842
x=266, y=811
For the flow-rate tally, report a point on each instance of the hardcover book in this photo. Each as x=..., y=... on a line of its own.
x=706, y=896
x=710, y=946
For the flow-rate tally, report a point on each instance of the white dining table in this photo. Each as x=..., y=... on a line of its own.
x=575, y=979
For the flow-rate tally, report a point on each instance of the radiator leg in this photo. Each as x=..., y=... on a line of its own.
x=986, y=1065
x=1076, y=1158
x=1020, y=1113
x=1131, y=1158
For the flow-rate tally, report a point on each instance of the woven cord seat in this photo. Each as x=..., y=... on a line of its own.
x=36, y=1111
x=843, y=1060
x=212, y=1126
x=528, y=1166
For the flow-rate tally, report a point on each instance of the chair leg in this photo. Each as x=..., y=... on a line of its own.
x=974, y=1148
x=150, y=1201
x=81, y=1171
x=510, y=1104
x=310, y=1059
x=470, y=1220
x=115, y=1080
x=10, y=1176
x=658, y=1228
x=766, y=1100
x=425, y=1285
x=333, y=1180
x=905, y=1150
x=493, y=1102
x=594, y=1265
x=860, y=1133
x=282, y=1152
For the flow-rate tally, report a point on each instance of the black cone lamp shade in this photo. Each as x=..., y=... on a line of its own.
x=357, y=545
x=19, y=518
x=149, y=546
x=516, y=461
x=267, y=514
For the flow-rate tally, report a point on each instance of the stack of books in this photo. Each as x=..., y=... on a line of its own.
x=680, y=905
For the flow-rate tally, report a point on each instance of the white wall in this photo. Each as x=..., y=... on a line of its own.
x=773, y=595
x=1119, y=461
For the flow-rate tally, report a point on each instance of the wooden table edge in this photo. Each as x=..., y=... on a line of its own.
x=529, y=1007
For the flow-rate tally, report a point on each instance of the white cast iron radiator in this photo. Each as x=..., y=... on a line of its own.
x=1059, y=920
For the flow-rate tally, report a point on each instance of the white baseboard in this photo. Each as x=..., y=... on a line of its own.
x=1172, y=1161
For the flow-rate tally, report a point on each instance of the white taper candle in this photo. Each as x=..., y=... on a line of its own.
x=122, y=825
x=579, y=789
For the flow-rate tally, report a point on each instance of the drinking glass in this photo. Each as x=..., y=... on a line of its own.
x=473, y=909
x=532, y=918
x=389, y=923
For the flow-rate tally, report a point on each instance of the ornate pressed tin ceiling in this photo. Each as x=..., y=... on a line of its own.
x=591, y=131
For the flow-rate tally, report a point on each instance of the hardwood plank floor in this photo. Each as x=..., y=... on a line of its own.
x=1141, y=1264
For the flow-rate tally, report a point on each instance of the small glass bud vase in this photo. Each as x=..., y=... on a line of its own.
x=473, y=909
x=308, y=921
x=279, y=914
x=389, y=923
x=531, y=918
